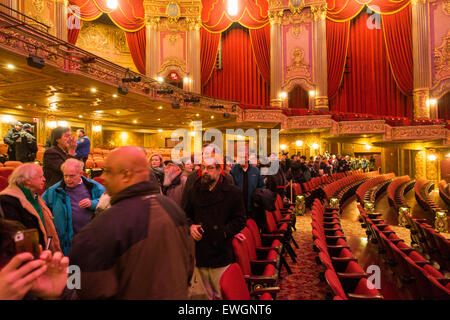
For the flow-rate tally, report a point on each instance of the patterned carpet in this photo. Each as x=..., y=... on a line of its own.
x=303, y=283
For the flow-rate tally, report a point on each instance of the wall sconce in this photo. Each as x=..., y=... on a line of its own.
x=368, y=147
x=7, y=119
x=312, y=93
x=63, y=124
x=315, y=146
x=432, y=157
x=282, y=95
x=299, y=143
x=440, y=221
x=51, y=124
x=97, y=128
x=283, y=147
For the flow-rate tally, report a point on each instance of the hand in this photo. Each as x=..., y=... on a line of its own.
x=240, y=236
x=19, y=275
x=72, y=146
x=51, y=283
x=195, y=233
x=85, y=203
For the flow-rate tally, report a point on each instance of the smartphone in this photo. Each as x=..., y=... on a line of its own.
x=27, y=241
x=200, y=230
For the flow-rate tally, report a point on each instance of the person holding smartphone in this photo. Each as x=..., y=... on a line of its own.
x=24, y=276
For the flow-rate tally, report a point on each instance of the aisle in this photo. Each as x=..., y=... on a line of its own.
x=303, y=283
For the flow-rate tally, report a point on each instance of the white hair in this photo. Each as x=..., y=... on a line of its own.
x=77, y=164
x=22, y=174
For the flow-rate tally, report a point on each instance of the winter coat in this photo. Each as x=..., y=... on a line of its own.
x=15, y=206
x=58, y=200
x=175, y=190
x=53, y=159
x=221, y=214
x=26, y=147
x=139, y=249
x=10, y=139
x=255, y=180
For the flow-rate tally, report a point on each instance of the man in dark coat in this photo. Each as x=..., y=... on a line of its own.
x=216, y=214
x=10, y=139
x=140, y=248
x=26, y=145
x=63, y=148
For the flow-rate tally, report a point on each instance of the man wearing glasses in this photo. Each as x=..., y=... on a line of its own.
x=216, y=214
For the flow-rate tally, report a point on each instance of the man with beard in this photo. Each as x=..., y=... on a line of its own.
x=174, y=182
x=216, y=214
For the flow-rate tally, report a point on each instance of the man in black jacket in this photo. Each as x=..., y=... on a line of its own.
x=63, y=148
x=26, y=145
x=216, y=214
x=10, y=139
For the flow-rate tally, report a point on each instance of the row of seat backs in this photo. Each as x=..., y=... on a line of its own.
x=331, y=188
x=392, y=188
x=444, y=192
x=362, y=287
x=364, y=187
x=422, y=189
x=424, y=280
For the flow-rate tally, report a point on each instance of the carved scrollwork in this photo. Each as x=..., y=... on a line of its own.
x=348, y=127
x=301, y=122
x=418, y=132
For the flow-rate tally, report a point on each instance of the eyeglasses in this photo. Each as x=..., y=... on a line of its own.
x=208, y=168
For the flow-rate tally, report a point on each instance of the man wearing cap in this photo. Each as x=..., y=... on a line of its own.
x=174, y=181
x=26, y=145
x=10, y=139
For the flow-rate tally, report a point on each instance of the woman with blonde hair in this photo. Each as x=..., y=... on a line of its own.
x=21, y=202
x=157, y=167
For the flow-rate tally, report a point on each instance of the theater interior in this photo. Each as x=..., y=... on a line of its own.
x=364, y=80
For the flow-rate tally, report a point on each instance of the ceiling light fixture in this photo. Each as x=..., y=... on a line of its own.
x=112, y=4
x=10, y=66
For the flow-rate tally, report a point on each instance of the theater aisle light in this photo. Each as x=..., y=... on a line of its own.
x=112, y=4
x=232, y=7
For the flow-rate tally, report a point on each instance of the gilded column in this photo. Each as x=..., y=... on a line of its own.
x=194, y=55
x=61, y=19
x=420, y=165
x=421, y=57
x=152, y=21
x=276, y=71
x=13, y=4
x=320, y=57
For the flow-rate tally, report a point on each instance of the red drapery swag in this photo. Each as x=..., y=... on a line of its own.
x=369, y=87
x=129, y=16
x=298, y=98
x=342, y=11
x=239, y=80
x=252, y=14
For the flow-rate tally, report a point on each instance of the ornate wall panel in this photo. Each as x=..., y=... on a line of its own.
x=173, y=52
x=440, y=46
x=42, y=11
x=311, y=122
x=297, y=50
x=419, y=132
x=106, y=41
x=361, y=127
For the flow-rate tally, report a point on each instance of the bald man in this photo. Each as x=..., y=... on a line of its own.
x=140, y=248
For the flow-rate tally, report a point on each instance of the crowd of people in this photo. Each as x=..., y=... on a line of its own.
x=140, y=233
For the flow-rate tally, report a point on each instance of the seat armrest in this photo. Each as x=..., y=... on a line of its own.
x=354, y=296
x=260, y=291
x=262, y=262
x=261, y=279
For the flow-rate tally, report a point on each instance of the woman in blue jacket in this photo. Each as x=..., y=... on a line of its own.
x=72, y=201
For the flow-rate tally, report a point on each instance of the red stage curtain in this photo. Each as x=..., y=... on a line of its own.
x=252, y=14
x=136, y=43
x=298, y=98
x=260, y=39
x=337, y=44
x=369, y=86
x=129, y=15
x=341, y=11
x=444, y=107
x=398, y=38
x=240, y=79
x=209, y=44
